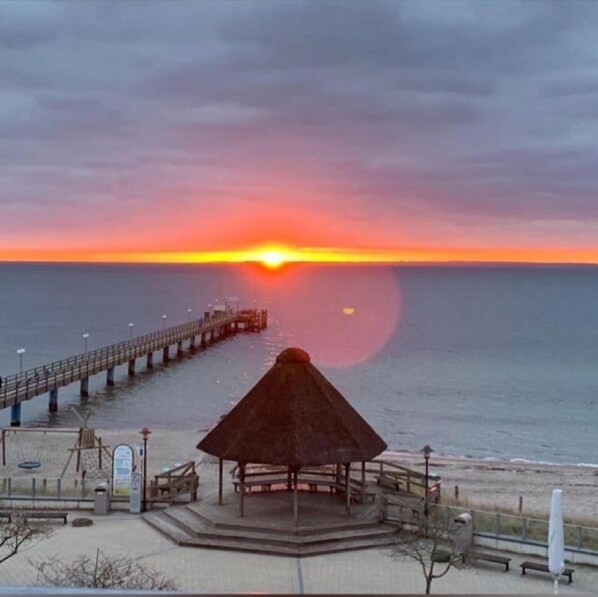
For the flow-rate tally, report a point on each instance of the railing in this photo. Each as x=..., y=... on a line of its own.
x=494, y=525
x=177, y=481
x=33, y=382
x=47, y=489
x=403, y=479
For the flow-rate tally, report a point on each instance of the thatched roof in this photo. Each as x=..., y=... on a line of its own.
x=293, y=416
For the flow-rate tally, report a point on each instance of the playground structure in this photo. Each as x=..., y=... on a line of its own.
x=91, y=454
x=86, y=447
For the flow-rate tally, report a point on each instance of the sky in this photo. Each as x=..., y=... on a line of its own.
x=190, y=130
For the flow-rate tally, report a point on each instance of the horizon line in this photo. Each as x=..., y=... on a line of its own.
x=355, y=263
x=276, y=254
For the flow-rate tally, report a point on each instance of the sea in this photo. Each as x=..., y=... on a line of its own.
x=489, y=362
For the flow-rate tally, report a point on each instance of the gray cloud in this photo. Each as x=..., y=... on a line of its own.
x=447, y=113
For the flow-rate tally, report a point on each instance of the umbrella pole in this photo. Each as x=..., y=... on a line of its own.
x=220, y=463
x=242, y=487
x=295, y=498
x=348, y=487
x=556, y=586
x=363, y=481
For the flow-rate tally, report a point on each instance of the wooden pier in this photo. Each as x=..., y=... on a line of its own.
x=198, y=334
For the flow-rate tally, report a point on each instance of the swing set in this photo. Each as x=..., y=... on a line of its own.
x=29, y=459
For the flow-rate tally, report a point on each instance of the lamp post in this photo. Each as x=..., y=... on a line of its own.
x=426, y=451
x=131, y=326
x=189, y=311
x=163, y=322
x=145, y=433
x=21, y=352
x=85, y=337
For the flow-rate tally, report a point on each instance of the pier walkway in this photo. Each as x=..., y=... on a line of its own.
x=48, y=378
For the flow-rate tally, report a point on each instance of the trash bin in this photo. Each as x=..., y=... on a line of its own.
x=101, y=499
x=463, y=538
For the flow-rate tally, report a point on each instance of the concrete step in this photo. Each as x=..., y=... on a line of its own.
x=287, y=550
x=167, y=526
x=195, y=526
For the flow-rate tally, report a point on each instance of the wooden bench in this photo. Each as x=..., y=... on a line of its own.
x=264, y=484
x=29, y=514
x=539, y=567
x=490, y=557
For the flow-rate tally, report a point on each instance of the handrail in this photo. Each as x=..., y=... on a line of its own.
x=38, y=380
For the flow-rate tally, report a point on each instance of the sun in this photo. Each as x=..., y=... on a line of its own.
x=272, y=258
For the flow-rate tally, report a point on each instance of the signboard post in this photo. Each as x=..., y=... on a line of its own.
x=122, y=469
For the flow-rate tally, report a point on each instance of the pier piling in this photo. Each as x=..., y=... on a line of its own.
x=110, y=377
x=53, y=402
x=15, y=415
x=84, y=392
x=131, y=368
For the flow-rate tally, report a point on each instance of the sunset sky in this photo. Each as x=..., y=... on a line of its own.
x=376, y=131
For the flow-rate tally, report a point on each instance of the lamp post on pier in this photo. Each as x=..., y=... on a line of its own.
x=145, y=433
x=85, y=337
x=131, y=326
x=189, y=311
x=20, y=352
x=163, y=322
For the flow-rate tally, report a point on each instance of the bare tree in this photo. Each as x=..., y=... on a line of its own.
x=433, y=547
x=101, y=572
x=16, y=533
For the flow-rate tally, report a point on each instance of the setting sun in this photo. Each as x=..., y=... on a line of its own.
x=272, y=258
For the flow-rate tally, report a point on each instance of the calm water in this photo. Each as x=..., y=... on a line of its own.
x=487, y=362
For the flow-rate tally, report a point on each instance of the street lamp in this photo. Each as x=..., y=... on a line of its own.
x=131, y=326
x=163, y=321
x=426, y=451
x=21, y=352
x=145, y=433
x=85, y=337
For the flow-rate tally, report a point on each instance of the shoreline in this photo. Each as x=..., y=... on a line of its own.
x=451, y=458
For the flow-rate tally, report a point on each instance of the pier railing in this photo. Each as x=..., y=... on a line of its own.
x=39, y=380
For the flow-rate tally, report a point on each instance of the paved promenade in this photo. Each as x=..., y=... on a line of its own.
x=213, y=571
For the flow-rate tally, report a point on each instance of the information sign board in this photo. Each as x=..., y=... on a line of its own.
x=122, y=469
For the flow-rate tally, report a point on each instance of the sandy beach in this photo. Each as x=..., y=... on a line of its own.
x=482, y=484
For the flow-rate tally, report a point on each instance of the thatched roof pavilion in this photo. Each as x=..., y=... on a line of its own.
x=293, y=417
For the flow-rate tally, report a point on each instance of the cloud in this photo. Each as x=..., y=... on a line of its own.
x=403, y=122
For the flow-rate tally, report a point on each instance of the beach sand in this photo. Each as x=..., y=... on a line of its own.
x=482, y=484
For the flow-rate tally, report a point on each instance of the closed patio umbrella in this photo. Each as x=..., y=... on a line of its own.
x=556, y=540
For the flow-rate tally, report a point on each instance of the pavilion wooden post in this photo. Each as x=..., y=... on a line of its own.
x=295, y=498
x=242, y=488
x=289, y=478
x=220, y=467
x=363, y=481
x=348, y=487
